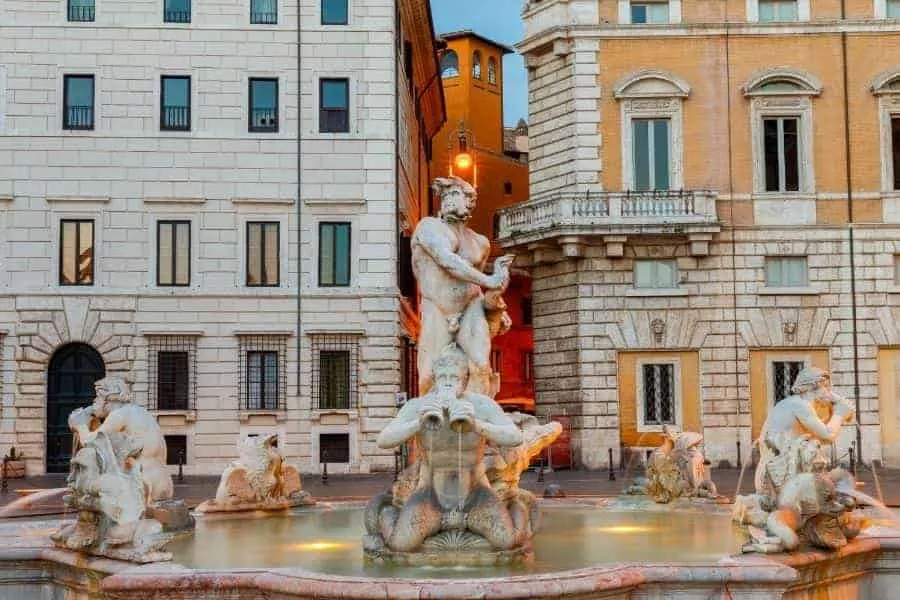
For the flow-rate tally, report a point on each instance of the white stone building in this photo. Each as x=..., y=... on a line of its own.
x=177, y=206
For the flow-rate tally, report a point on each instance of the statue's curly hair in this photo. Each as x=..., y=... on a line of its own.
x=442, y=184
x=119, y=390
x=808, y=379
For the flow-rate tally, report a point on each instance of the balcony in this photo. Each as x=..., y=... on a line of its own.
x=568, y=220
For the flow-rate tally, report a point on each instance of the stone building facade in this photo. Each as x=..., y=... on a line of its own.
x=177, y=206
x=713, y=206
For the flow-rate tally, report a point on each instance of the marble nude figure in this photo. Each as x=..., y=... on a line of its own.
x=798, y=499
x=452, y=504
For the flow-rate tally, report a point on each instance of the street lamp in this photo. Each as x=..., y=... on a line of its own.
x=462, y=160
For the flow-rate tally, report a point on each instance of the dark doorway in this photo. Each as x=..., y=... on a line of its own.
x=70, y=384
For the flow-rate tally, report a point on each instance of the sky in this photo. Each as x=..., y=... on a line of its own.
x=499, y=20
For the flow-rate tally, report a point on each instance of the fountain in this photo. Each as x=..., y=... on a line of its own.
x=457, y=524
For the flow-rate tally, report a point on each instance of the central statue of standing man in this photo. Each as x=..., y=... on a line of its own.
x=459, y=302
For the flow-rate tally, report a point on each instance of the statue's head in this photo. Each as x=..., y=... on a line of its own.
x=110, y=391
x=457, y=198
x=811, y=379
x=451, y=370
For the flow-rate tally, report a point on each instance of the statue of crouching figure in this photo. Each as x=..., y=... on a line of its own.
x=444, y=503
x=258, y=480
x=677, y=469
x=798, y=500
x=118, y=481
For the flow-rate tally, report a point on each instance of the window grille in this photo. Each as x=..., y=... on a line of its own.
x=659, y=394
x=176, y=449
x=81, y=10
x=335, y=365
x=262, y=372
x=783, y=375
x=172, y=372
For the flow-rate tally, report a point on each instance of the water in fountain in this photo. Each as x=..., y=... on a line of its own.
x=24, y=506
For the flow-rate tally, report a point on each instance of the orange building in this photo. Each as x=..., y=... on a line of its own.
x=472, y=74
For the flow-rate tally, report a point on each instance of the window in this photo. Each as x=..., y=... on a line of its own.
x=176, y=449
x=895, y=149
x=786, y=271
x=78, y=102
x=81, y=10
x=783, y=375
x=408, y=69
x=172, y=362
x=782, y=154
x=492, y=71
x=263, y=12
x=177, y=11
x=263, y=102
x=649, y=12
x=655, y=274
x=334, y=105
x=658, y=394
x=527, y=366
x=476, y=65
x=334, y=12
x=334, y=374
x=334, y=254
x=262, y=372
x=777, y=10
x=175, y=104
x=892, y=9
x=76, y=252
x=449, y=65
x=650, y=138
x=263, y=242
x=173, y=253
x=496, y=360
x=507, y=187
x=527, y=311
x=334, y=448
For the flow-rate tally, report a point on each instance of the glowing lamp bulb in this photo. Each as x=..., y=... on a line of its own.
x=463, y=161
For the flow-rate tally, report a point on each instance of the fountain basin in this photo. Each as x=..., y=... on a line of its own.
x=867, y=569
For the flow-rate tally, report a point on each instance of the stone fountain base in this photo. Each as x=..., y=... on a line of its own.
x=300, y=500
x=448, y=549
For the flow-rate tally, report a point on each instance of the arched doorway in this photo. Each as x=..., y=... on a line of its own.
x=70, y=384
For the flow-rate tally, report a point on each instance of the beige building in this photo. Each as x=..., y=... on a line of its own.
x=715, y=203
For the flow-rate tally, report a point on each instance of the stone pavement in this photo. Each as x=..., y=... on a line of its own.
x=195, y=489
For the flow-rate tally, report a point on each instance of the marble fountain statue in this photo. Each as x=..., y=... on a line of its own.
x=457, y=524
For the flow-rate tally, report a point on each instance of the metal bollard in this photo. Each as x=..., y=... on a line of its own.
x=739, y=464
x=612, y=473
x=324, y=467
x=180, y=466
x=4, y=483
x=398, y=457
x=853, y=461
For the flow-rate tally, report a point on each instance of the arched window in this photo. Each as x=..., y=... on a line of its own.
x=476, y=65
x=492, y=71
x=886, y=89
x=449, y=65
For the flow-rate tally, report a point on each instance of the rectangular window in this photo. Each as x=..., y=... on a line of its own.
x=334, y=379
x=262, y=379
x=334, y=12
x=893, y=9
x=263, y=242
x=81, y=10
x=895, y=149
x=76, y=252
x=777, y=10
x=649, y=12
x=527, y=311
x=334, y=447
x=334, y=371
x=783, y=375
x=263, y=104
x=173, y=253
x=786, y=271
x=652, y=165
x=782, y=154
x=496, y=361
x=527, y=366
x=897, y=269
x=263, y=12
x=659, y=394
x=175, y=105
x=176, y=449
x=177, y=11
x=334, y=254
x=655, y=274
x=78, y=102
x=172, y=362
x=334, y=105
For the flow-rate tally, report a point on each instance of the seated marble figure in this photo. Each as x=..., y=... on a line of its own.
x=447, y=489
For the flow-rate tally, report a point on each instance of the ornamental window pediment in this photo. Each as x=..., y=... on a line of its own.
x=782, y=82
x=651, y=84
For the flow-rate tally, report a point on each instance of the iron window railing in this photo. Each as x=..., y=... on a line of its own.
x=81, y=12
x=177, y=11
x=262, y=372
x=263, y=102
x=78, y=102
x=79, y=118
x=263, y=12
x=335, y=365
x=76, y=252
x=175, y=118
x=175, y=103
x=172, y=372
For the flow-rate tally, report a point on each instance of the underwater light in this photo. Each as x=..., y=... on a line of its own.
x=318, y=545
x=626, y=529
